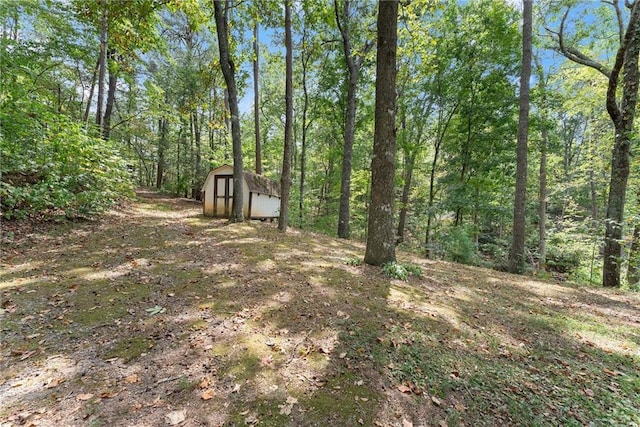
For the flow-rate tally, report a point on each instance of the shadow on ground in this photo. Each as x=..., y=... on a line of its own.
x=157, y=315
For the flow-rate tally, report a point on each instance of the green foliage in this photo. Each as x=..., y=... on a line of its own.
x=57, y=170
x=457, y=245
x=401, y=271
x=353, y=261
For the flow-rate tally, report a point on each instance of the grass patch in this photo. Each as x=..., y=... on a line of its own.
x=129, y=349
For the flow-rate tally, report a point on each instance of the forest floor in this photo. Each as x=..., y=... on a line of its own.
x=155, y=315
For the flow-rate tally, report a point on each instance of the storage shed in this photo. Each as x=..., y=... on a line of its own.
x=261, y=194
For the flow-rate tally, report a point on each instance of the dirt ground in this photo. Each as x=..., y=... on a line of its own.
x=155, y=315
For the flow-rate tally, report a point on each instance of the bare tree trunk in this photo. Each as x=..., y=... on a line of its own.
x=285, y=179
x=85, y=118
x=197, y=134
x=542, y=203
x=111, y=97
x=443, y=125
x=305, y=128
x=354, y=64
x=162, y=130
x=103, y=64
x=517, y=253
x=256, y=97
x=228, y=70
x=381, y=247
x=633, y=267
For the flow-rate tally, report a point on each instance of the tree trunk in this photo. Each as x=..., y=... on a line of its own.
x=103, y=64
x=256, y=98
x=615, y=209
x=228, y=70
x=443, y=125
x=285, y=179
x=354, y=63
x=622, y=117
x=303, y=149
x=517, y=253
x=633, y=267
x=162, y=130
x=111, y=96
x=94, y=77
x=380, y=234
x=197, y=134
x=542, y=203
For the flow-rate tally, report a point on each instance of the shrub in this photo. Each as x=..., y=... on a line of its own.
x=59, y=170
x=458, y=245
x=401, y=271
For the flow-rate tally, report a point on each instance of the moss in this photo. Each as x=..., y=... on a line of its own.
x=344, y=400
x=129, y=348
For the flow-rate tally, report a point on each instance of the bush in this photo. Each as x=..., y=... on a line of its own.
x=401, y=271
x=458, y=245
x=566, y=251
x=59, y=170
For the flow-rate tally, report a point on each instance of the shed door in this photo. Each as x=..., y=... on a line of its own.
x=223, y=195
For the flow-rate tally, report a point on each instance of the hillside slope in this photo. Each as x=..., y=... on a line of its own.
x=157, y=315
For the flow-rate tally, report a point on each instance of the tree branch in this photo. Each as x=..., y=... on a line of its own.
x=616, y=6
x=574, y=54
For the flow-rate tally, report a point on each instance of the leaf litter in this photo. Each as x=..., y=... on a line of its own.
x=166, y=309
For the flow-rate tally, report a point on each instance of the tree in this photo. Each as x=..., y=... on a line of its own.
x=256, y=95
x=354, y=60
x=221, y=9
x=517, y=253
x=380, y=234
x=621, y=106
x=285, y=179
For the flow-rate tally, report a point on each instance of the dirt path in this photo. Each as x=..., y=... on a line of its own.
x=155, y=315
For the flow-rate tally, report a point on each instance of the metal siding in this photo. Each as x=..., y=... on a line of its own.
x=264, y=206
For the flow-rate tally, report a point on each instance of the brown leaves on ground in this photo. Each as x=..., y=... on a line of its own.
x=154, y=309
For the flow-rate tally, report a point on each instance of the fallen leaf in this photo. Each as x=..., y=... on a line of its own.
x=406, y=423
x=27, y=355
x=176, y=417
x=251, y=419
x=53, y=382
x=155, y=310
x=589, y=392
x=436, y=401
x=84, y=397
x=285, y=409
x=208, y=394
x=343, y=355
x=107, y=394
x=133, y=378
x=267, y=361
x=404, y=389
x=292, y=400
x=236, y=388
x=204, y=383
x=610, y=372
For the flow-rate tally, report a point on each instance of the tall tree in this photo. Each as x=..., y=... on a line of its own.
x=285, y=179
x=380, y=234
x=517, y=253
x=621, y=106
x=354, y=58
x=221, y=12
x=256, y=95
x=102, y=61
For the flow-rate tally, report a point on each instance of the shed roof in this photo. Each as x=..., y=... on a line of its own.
x=262, y=184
